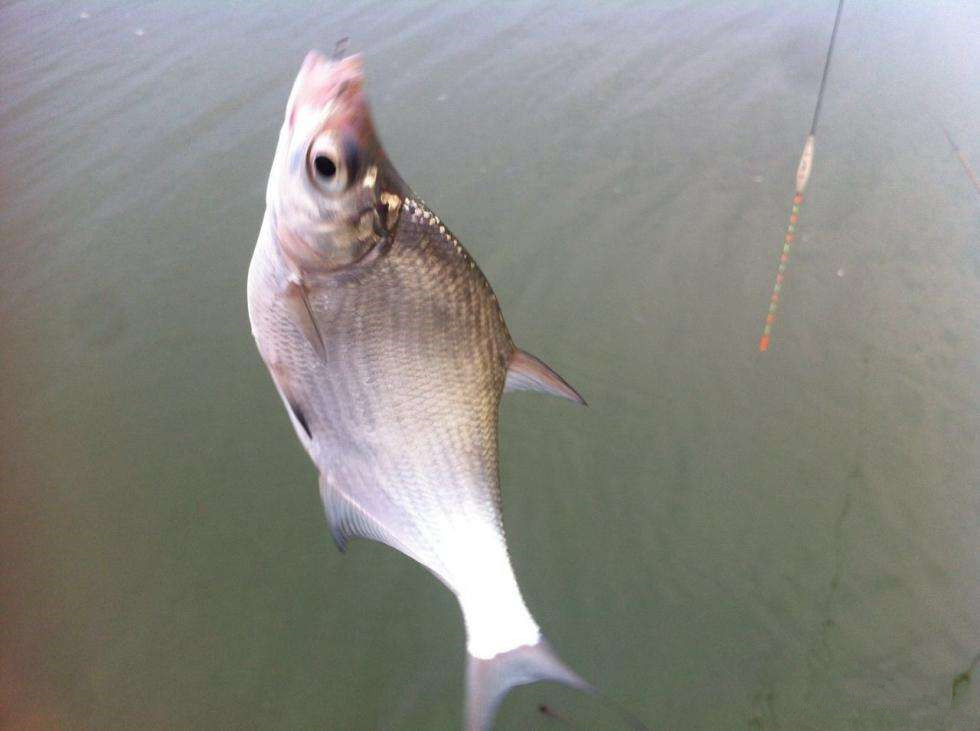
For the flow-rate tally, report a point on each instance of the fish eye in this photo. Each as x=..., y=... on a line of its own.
x=325, y=167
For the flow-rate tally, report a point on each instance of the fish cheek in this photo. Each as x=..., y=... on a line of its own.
x=345, y=245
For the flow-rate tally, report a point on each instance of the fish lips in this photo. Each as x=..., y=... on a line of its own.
x=335, y=89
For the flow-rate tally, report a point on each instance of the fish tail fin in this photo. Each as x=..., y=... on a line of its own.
x=489, y=679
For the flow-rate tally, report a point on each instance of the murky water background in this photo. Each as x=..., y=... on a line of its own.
x=723, y=539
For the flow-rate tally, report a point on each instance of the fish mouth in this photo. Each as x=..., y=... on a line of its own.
x=329, y=94
x=322, y=81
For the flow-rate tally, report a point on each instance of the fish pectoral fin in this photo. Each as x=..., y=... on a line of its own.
x=301, y=315
x=527, y=373
x=348, y=518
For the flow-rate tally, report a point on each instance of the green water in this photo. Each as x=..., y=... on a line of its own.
x=722, y=540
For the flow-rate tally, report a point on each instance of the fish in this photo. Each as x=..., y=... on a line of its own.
x=389, y=350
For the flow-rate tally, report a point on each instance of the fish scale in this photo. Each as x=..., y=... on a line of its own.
x=390, y=346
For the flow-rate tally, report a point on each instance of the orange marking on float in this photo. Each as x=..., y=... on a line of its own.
x=803, y=171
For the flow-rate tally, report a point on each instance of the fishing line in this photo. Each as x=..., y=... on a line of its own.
x=826, y=68
x=802, y=177
x=962, y=158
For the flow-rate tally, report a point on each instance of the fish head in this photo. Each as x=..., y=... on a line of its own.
x=333, y=195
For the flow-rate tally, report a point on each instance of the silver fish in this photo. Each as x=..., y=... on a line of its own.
x=390, y=353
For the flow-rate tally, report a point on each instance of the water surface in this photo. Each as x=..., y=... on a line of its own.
x=723, y=539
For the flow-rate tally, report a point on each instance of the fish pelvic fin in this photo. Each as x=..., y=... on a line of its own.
x=489, y=679
x=527, y=373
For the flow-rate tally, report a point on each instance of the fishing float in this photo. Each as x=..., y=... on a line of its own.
x=802, y=178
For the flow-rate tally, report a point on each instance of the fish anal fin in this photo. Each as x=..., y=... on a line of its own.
x=348, y=518
x=527, y=373
x=297, y=305
x=489, y=679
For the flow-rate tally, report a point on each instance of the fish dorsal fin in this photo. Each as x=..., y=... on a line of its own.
x=527, y=373
x=298, y=306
